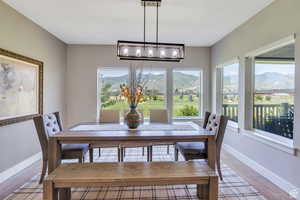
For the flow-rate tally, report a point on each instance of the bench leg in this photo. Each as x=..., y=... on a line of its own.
x=49, y=192
x=65, y=194
x=203, y=192
x=213, y=188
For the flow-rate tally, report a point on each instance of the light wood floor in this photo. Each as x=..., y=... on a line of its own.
x=265, y=187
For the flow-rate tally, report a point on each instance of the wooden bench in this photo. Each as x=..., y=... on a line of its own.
x=66, y=176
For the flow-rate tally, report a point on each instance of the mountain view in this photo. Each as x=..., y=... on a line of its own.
x=181, y=81
x=266, y=81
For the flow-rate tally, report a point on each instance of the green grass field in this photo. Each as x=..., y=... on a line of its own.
x=178, y=105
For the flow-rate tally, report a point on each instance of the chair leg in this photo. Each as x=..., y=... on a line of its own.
x=168, y=149
x=91, y=151
x=124, y=152
x=99, y=152
x=81, y=159
x=44, y=169
x=143, y=153
x=219, y=168
x=119, y=154
x=149, y=154
x=176, y=153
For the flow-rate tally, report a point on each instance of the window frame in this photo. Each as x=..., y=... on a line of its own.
x=200, y=102
x=250, y=86
x=168, y=88
x=219, y=89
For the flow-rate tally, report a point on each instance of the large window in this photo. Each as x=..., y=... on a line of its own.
x=109, y=81
x=186, y=93
x=230, y=90
x=185, y=87
x=274, y=87
x=154, y=82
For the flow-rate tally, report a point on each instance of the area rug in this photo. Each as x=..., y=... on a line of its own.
x=233, y=187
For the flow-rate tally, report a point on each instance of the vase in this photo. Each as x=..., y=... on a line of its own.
x=133, y=118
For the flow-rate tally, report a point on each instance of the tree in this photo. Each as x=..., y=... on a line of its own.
x=105, y=94
x=268, y=98
x=189, y=111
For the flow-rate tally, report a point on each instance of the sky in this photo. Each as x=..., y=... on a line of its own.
x=116, y=72
x=263, y=68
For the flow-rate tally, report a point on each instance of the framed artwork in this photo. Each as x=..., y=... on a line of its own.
x=21, y=88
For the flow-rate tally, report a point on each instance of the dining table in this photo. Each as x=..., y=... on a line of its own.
x=102, y=133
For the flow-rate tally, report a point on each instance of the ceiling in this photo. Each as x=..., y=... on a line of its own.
x=193, y=22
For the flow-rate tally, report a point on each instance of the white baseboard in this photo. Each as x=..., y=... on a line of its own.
x=274, y=178
x=19, y=167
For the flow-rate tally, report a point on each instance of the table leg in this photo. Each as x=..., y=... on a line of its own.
x=211, y=148
x=49, y=192
x=54, y=154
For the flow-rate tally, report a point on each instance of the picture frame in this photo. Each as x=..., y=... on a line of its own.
x=21, y=88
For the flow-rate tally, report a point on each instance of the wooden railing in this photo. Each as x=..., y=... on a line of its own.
x=274, y=118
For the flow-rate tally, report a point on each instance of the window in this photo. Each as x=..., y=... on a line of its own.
x=186, y=93
x=274, y=88
x=154, y=82
x=230, y=90
x=109, y=88
x=185, y=99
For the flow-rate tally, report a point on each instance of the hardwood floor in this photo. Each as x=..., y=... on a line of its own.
x=264, y=186
x=15, y=182
x=261, y=184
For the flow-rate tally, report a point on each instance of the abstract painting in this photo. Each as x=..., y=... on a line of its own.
x=21, y=88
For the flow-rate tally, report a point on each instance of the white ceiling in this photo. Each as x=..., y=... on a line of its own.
x=193, y=22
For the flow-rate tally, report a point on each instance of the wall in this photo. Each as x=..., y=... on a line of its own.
x=277, y=21
x=83, y=62
x=18, y=34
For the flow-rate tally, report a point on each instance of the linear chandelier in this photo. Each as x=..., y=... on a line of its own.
x=150, y=51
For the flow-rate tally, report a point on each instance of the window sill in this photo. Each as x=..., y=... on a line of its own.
x=277, y=142
x=233, y=126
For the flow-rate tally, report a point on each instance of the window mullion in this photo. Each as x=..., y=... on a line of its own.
x=169, y=92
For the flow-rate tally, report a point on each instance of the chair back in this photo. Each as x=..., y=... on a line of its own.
x=109, y=116
x=141, y=115
x=206, y=117
x=159, y=116
x=47, y=125
x=217, y=124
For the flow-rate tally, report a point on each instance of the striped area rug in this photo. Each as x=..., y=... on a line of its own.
x=233, y=187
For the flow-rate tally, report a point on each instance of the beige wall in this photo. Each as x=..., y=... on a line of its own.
x=83, y=62
x=20, y=35
x=277, y=21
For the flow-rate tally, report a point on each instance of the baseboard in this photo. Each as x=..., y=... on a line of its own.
x=274, y=178
x=19, y=167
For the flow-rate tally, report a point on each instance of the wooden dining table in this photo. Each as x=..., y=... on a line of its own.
x=96, y=133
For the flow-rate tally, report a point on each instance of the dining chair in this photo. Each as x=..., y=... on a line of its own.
x=134, y=145
x=48, y=125
x=108, y=116
x=159, y=116
x=198, y=150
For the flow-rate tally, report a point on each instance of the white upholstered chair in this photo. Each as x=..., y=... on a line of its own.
x=108, y=116
x=159, y=116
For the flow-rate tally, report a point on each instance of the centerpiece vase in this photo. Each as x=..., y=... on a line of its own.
x=133, y=118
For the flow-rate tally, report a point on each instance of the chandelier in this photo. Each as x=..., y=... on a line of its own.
x=150, y=51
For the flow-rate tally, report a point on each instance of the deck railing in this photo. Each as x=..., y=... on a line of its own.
x=274, y=118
